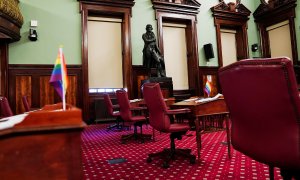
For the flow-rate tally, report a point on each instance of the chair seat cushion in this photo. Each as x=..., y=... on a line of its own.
x=138, y=118
x=178, y=127
x=116, y=113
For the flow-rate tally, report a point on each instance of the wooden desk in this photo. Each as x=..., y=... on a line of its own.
x=200, y=111
x=141, y=102
x=45, y=145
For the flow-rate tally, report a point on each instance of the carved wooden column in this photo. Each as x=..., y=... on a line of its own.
x=11, y=21
x=274, y=12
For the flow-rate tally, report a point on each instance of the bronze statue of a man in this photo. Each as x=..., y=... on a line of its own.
x=152, y=57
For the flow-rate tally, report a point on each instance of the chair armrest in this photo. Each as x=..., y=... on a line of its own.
x=116, y=106
x=137, y=108
x=178, y=111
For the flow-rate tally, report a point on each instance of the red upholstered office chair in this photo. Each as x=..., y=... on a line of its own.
x=264, y=106
x=110, y=110
x=126, y=115
x=25, y=103
x=159, y=120
x=5, y=108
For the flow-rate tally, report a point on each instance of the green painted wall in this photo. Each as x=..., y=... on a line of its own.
x=59, y=22
x=142, y=14
x=297, y=28
x=205, y=29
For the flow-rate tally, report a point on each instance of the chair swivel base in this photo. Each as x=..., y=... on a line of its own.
x=114, y=126
x=134, y=136
x=168, y=154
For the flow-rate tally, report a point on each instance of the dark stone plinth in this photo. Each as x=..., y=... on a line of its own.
x=166, y=84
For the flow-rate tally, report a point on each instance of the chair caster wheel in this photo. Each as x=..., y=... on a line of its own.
x=193, y=160
x=165, y=165
x=149, y=160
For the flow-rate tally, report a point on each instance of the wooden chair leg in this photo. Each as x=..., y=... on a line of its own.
x=271, y=172
x=198, y=137
x=228, y=136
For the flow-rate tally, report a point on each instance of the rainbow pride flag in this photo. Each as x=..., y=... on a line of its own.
x=59, y=79
x=208, y=87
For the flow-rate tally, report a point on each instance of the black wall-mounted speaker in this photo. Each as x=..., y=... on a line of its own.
x=208, y=50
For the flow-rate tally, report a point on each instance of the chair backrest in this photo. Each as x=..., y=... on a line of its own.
x=5, y=108
x=157, y=107
x=25, y=103
x=264, y=106
x=124, y=104
x=108, y=104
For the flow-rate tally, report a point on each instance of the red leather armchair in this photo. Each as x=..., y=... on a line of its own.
x=5, y=108
x=159, y=120
x=110, y=110
x=25, y=103
x=126, y=115
x=264, y=106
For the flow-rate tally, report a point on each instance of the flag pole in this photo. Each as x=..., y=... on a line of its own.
x=64, y=98
x=63, y=75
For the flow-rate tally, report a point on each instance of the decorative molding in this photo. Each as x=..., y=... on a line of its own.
x=11, y=20
x=177, y=6
x=231, y=11
x=10, y=8
x=274, y=7
x=109, y=3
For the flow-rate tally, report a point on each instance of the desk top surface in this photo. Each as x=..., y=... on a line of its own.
x=44, y=120
x=193, y=102
x=213, y=107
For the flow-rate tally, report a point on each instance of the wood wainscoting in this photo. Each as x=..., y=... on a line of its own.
x=213, y=71
x=33, y=81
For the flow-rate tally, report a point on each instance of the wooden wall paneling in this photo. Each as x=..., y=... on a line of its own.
x=203, y=71
x=39, y=91
x=23, y=88
x=214, y=85
x=48, y=94
x=46, y=91
x=139, y=73
x=72, y=90
x=98, y=111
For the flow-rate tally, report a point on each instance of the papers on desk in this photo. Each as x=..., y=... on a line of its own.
x=9, y=122
x=135, y=100
x=192, y=99
x=209, y=99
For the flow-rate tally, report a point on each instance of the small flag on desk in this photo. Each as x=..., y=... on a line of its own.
x=59, y=76
x=208, y=87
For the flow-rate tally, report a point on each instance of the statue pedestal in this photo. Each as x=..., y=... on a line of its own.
x=166, y=85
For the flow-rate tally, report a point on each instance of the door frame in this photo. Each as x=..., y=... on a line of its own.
x=107, y=8
x=266, y=15
x=181, y=14
x=4, y=68
x=226, y=17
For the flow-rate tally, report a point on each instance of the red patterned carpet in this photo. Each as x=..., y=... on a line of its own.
x=100, y=145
